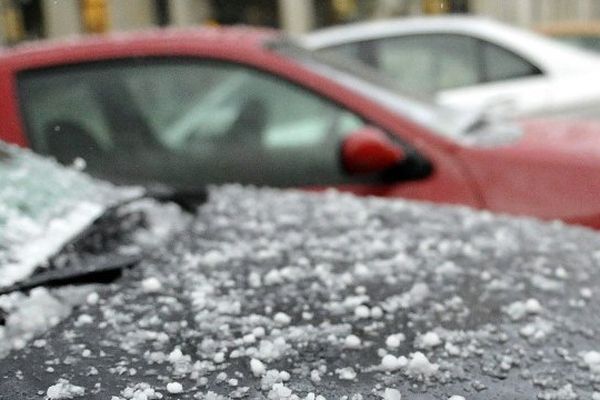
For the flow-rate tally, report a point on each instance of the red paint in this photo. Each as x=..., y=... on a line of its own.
x=552, y=173
x=11, y=127
x=369, y=151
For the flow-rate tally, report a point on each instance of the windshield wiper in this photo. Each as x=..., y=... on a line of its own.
x=104, y=269
x=112, y=222
x=93, y=256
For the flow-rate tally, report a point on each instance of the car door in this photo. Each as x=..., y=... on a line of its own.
x=187, y=122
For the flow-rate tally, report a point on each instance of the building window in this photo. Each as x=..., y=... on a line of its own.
x=445, y=6
x=162, y=12
x=250, y=12
x=334, y=12
x=20, y=20
x=32, y=18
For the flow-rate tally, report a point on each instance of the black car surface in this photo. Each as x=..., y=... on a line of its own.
x=269, y=294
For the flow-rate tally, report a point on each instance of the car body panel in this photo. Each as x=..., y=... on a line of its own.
x=489, y=307
x=502, y=98
x=12, y=130
x=584, y=34
x=521, y=171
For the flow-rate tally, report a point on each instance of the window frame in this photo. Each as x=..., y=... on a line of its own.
x=154, y=60
x=537, y=71
x=22, y=75
x=372, y=57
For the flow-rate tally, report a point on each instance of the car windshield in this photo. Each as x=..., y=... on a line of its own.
x=441, y=120
x=62, y=234
x=42, y=207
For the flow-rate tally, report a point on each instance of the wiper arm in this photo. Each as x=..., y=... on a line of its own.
x=103, y=269
x=187, y=199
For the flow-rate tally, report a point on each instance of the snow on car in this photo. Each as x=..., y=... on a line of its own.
x=42, y=207
x=290, y=295
x=472, y=63
x=50, y=219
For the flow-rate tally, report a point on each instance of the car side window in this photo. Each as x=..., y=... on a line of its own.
x=188, y=122
x=501, y=64
x=346, y=50
x=429, y=63
x=51, y=105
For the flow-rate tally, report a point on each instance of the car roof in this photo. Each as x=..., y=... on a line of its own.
x=547, y=54
x=283, y=293
x=239, y=36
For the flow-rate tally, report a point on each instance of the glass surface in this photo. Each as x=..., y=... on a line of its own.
x=380, y=88
x=430, y=63
x=501, y=64
x=349, y=51
x=38, y=189
x=186, y=123
x=42, y=206
x=420, y=65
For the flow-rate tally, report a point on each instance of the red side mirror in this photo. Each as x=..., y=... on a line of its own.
x=369, y=150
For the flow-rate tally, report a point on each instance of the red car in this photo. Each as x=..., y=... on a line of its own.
x=187, y=108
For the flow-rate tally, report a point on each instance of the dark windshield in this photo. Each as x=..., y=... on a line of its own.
x=272, y=293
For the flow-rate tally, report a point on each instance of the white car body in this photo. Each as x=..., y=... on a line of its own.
x=567, y=79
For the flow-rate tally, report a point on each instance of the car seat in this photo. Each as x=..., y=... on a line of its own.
x=250, y=124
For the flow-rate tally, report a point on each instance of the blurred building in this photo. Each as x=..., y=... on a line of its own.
x=528, y=13
x=31, y=19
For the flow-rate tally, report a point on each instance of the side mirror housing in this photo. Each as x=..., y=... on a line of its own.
x=369, y=150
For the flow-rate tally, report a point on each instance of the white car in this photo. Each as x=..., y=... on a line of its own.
x=471, y=62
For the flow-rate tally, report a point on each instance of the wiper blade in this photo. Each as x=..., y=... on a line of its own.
x=97, y=242
x=117, y=215
x=103, y=269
